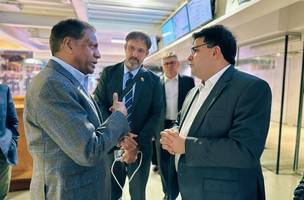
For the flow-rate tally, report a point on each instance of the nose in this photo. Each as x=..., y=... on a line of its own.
x=97, y=54
x=190, y=57
x=135, y=53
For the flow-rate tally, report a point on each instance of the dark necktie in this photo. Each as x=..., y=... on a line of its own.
x=129, y=97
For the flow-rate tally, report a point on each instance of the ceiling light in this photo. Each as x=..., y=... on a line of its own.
x=66, y=1
x=118, y=41
x=11, y=7
x=137, y=3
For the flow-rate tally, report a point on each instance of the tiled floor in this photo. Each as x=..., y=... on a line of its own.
x=278, y=187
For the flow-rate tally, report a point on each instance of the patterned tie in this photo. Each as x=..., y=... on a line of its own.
x=129, y=97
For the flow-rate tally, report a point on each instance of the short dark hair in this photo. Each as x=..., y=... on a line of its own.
x=137, y=35
x=219, y=35
x=73, y=28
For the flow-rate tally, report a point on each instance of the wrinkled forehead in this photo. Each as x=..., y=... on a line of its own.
x=137, y=43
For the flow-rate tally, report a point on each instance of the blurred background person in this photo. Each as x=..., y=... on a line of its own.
x=299, y=191
x=8, y=138
x=175, y=89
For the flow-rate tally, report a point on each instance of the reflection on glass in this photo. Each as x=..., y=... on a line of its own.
x=266, y=60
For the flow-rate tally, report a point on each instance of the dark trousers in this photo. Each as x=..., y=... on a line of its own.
x=167, y=169
x=137, y=186
x=154, y=153
x=5, y=176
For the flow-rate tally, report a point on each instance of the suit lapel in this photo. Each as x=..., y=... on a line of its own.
x=186, y=106
x=97, y=109
x=162, y=82
x=180, y=91
x=116, y=84
x=212, y=97
x=139, y=85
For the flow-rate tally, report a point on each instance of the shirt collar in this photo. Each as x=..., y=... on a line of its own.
x=133, y=72
x=174, y=78
x=213, y=79
x=78, y=75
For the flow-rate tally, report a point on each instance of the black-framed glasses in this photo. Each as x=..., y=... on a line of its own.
x=194, y=49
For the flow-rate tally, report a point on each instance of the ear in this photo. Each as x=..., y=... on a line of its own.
x=217, y=51
x=125, y=46
x=67, y=45
x=147, y=53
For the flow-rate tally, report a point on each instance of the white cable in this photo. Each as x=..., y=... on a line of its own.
x=131, y=177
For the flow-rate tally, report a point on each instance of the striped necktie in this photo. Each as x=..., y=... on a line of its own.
x=129, y=97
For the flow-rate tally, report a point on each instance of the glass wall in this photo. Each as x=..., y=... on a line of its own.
x=266, y=59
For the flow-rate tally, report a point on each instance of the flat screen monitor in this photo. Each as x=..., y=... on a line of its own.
x=181, y=22
x=167, y=31
x=199, y=12
x=153, y=47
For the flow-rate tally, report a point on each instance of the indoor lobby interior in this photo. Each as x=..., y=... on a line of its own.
x=270, y=35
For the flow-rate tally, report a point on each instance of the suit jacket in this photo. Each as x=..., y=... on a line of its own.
x=8, y=126
x=66, y=139
x=185, y=83
x=226, y=140
x=147, y=100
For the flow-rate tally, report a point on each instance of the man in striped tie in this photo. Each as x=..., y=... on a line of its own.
x=141, y=91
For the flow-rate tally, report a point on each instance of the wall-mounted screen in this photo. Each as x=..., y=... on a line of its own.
x=200, y=12
x=167, y=31
x=181, y=22
x=154, y=46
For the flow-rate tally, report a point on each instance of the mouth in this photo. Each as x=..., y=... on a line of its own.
x=134, y=59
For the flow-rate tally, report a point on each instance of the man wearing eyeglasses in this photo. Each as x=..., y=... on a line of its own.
x=140, y=90
x=175, y=89
x=223, y=125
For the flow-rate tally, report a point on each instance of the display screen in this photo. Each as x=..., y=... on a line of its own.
x=181, y=23
x=153, y=47
x=200, y=12
x=168, y=32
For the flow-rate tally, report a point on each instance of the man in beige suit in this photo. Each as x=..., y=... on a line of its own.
x=62, y=122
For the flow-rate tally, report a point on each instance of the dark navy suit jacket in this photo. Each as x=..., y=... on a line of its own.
x=226, y=140
x=147, y=104
x=8, y=126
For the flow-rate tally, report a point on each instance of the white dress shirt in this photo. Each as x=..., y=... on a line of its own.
x=199, y=99
x=171, y=89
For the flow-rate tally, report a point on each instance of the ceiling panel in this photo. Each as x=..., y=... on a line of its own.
x=30, y=21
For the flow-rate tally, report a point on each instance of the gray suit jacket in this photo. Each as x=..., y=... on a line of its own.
x=66, y=139
x=226, y=140
x=8, y=126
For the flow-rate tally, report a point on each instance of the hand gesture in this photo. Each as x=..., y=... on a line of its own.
x=172, y=141
x=128, y=143
x=129, y=156
x=118, y=105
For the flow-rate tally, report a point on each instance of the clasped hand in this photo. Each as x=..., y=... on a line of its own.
x=130, y=148
x=172, y=141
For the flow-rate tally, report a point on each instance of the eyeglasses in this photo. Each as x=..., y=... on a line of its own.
x=194, y=49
